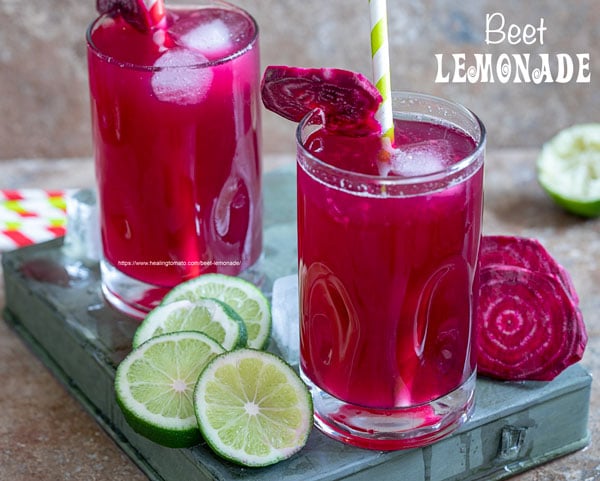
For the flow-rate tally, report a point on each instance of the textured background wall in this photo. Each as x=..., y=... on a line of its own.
x=43, y=80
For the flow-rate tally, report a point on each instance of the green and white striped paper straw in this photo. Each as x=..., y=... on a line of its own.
x=381, y=65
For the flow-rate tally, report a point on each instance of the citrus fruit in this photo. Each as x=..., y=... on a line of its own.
x=568, y=169
x=210, y=316
x=155, y=383
x=348, y=99
x=242, y=296
x=252, y=408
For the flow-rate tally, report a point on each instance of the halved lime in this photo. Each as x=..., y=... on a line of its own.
x=568, y=169
x=210, y=316
x=244, y=297
x=252, y=408
x=155, y=383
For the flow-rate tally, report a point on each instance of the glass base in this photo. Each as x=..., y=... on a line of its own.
x=392, y=429
x=136, y=298
x=128, y=295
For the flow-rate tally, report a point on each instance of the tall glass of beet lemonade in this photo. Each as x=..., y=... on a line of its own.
x=388, y=255
x=176, y=131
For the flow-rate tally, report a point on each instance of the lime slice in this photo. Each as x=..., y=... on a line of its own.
x=252, y=408
x=214, y=318
x=245, y=298
x=569, y=169
x=154, y=386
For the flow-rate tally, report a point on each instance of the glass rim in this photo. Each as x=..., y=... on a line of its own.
x=208, y=64
x=385, y=180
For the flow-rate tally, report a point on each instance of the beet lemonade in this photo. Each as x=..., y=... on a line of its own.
x=388, y=254
x=176, y=126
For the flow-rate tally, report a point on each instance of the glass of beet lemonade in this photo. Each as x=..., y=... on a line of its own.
x=388, y=252
x=176, y=131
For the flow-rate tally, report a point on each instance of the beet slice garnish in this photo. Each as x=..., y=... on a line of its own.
x=131, y=10
x=529, y=326
x=348, y=100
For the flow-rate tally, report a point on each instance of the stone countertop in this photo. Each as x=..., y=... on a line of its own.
x=46, y=435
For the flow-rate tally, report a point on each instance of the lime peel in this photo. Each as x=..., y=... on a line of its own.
x=242, y=296
x=568, y=169
x=252, y=408
x=210, y=316
x=154, y=386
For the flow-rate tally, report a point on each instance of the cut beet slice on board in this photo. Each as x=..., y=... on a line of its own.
x=526, y=253
x=529, y=328
x=348, y=100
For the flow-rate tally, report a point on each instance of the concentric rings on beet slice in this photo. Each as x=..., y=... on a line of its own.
x=529, y=328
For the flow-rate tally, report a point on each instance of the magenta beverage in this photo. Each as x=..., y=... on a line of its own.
x=176, y=130
x=388, y=251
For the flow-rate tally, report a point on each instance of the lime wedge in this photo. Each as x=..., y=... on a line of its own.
x=214, y=318
x=154, y=386
x=245, y=298
x=252, y=408
x=569, y=169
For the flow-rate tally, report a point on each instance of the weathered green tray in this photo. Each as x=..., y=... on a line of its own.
x=56, y=306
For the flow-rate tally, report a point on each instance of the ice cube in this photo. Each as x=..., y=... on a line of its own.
x=212, y=39
x=421, y=158
x=176, y=81
x=82, y=239
x=285, y=313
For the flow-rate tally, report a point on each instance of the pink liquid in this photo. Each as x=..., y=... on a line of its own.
x=176, y=134
x=386, y=283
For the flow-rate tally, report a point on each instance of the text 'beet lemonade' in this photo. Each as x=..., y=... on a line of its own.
x=176, y=129
x=387, y=251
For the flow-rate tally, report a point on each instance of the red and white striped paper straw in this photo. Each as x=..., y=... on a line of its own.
x=28, y=216
x=154, y=12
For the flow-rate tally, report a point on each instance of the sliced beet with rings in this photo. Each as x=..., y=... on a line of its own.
x=529, y=325
x=348, y=99
x=527, y=253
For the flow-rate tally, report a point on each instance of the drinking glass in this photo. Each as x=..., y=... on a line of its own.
x=388, y=276
x=176, y=134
